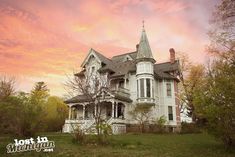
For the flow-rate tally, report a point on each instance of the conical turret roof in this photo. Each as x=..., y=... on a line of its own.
x=144, y=51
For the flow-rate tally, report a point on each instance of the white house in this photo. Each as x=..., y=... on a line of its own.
x=135, y=77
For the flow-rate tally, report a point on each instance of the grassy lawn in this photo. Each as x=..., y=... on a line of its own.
x=146, y=145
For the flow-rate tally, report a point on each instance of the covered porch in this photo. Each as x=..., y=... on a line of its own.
x=108, y=109
x=111, y=108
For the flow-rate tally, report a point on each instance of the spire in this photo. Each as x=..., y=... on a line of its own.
x=144, y=51
x=143, y=24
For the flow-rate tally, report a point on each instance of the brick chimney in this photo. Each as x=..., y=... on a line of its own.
x=137, y=47
x=172, y=55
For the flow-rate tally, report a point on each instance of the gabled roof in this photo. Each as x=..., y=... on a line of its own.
x=122, y=56
x=167, y=66
x=98, y=55
x=161, y=70
x=144, y=50
x=118, y=66
x=103, y=59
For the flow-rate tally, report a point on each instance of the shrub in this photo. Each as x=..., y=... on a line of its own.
x=188, y=128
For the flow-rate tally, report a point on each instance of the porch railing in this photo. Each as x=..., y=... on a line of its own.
x=121, y=91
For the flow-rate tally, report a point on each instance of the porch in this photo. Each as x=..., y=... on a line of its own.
x=82, y=115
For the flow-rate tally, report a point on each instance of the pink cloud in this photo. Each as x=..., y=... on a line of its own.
x=43, y=40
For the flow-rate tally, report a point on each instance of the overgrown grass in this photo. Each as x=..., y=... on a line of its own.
x=147, y=145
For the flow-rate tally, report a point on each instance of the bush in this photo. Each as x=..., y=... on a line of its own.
x=188, y=128
x=79, y=136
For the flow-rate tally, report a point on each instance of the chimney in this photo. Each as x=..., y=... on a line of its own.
x=137, y=47
x=172, y=55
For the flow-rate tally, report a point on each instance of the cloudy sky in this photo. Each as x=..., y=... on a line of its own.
x=44, y=40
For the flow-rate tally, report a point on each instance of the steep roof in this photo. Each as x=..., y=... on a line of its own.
x=167, y=66
x=161, y=70
x=100, y=57
x=117, y=58
x=144, y=50
x=103, y=59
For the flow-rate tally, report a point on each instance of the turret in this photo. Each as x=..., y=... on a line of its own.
x=144, y=71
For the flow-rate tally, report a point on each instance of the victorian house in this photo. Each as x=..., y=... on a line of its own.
x=134, y=78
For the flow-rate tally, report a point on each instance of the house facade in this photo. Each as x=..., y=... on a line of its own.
x=133, y=78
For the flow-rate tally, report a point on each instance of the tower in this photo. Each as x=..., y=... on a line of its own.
x=144, y=71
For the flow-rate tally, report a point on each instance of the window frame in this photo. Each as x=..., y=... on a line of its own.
x=170, y=113
x=142, y=88
x=148, y=88
x=168, y=89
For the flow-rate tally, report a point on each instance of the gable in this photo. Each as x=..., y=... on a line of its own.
x=89, y=57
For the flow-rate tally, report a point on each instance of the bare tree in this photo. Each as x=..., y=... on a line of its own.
x=141, y=113
x=7, y=86
x=93, y=86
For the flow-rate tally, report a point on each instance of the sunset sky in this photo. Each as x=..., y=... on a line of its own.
x=43, y=40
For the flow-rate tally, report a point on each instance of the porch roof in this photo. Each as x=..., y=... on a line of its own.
x=84, y=98
x=77, y=99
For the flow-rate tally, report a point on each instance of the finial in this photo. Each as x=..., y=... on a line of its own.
x=143, y=24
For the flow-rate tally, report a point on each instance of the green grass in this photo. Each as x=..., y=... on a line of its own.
x=146, y=145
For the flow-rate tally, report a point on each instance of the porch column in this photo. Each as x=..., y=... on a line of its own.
x=95, y=109
x=77, y=112
x=116, y=110
x=69, y=112
x=124, y=82
x=112, y=109
x=83, y=114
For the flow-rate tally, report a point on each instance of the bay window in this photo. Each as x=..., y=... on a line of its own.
x=145, y=88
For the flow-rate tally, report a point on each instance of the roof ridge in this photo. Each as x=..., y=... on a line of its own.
x=101, y=54
x=162, y=63
x=165, y=62
x=124, y=54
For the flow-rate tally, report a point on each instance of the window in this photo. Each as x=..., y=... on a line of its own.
x=141, y=87
x=92, y=69
x=170, y=113
x=145, y=88
x=137, y=88
x=148, y=88
x=121, y=84
x=153, y=89
x=168, y=89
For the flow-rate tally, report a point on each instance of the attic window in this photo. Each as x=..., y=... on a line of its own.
x=127, y=59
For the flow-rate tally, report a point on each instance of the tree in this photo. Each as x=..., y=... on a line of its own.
x=40, y=91
x=12, y=114
x=35, y=109
x=190, y=79
x=216, y=102
x=94, y=87
x=141, y=113
x=6, y=87
x=56, y=113
x=222, y=33
x=215, y=99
